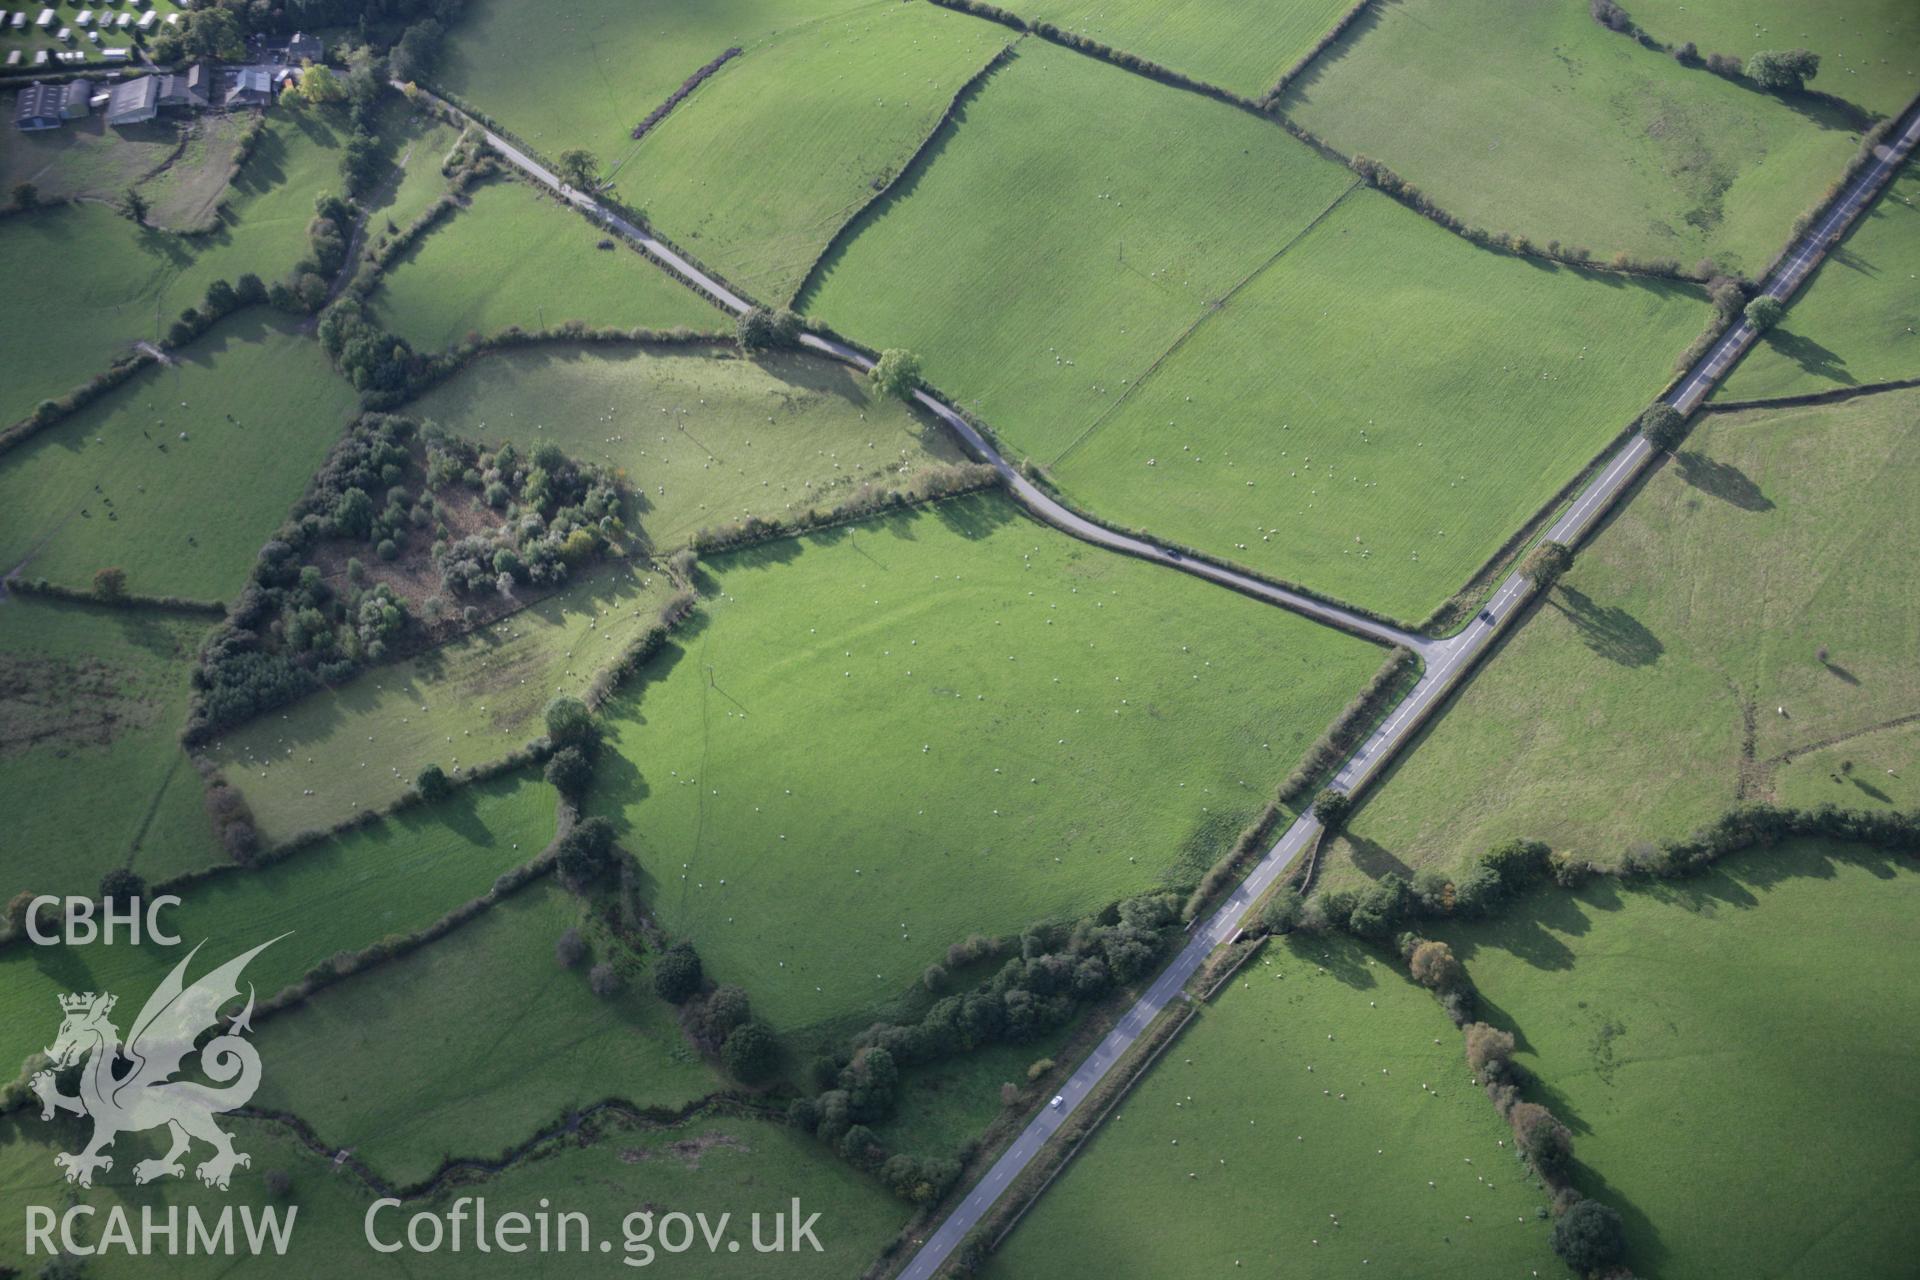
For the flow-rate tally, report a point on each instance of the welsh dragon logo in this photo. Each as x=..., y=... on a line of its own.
x=128, y=1087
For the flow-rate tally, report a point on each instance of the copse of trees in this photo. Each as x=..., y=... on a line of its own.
x=1764, y=312
x=1662, y=425
x=1589, y=1237
x=1783, y=71
x=759, y=329
x=896, y=373
x=1545, y=563
x=585, y=855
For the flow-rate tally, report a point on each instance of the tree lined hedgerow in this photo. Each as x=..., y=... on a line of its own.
x=1058, y=968
x=926, y=484
x=49, y=412
x=687, y=86
x=1279, y=90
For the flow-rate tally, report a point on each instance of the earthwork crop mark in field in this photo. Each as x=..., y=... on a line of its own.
x=1212, y=308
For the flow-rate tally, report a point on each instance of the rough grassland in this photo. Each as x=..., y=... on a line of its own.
x=340, y=895
x=1324, y=1107
x=84, y=283
x=713, y=1164
x=760, y=167
x=585, y=72
x=1875, y=770
x=1855, y=321
x=1535, y=119
x=515, y=256
x=186, y=194
x=1036, y=264
x=85, y=157
x=259, y=407
x=465, y=703
x=91, y=702
x=1691, y=1033
x=1306, y=429
x=706, y=438
x=483, y=1039
x=1615, y=713
x=891, y=736
x=1244, y=48
x=1869, y=49
x=420, y=143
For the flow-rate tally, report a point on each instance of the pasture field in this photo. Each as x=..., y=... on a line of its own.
x=86, y=158
x=719, y=1165
x=457, y=1086
x=85, y=283
x=1305, y=429
x=1869, y=49
x=1245, y=49
x=948, y=1103
x=466, y=703
x=872, y=725
x=703, y=436
x=517, y=256
x=1035, y=263
x=420, y=143
x=583, y=73
x=1855, y=321
x=1323, y=1105
x=186, y=193
x=1618, y=710
x=758, y=169
x=1535, y=119
x=1686, y=1032
x=1873, y=770
x=91, y=703
x=114, y=484
x=342, y=894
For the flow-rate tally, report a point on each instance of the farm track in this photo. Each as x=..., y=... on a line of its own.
x=1448, y=661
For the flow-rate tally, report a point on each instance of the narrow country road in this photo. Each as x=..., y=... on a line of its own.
x=1446, y=660
x=1029, y=495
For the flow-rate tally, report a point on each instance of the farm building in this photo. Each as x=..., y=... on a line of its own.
x=187, y=89
x=39, y=107
x=134, y=101
x=74, y=100
x=250, y=87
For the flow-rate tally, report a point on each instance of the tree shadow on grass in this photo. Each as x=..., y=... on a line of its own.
x=1372, y=859
x=1342, y=958
x=1608, y=630
x=976, y=517
x=1644, y=1246
x=1814, y=360
x=1722, y=480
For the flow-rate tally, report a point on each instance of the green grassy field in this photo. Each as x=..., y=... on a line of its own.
x=1869, y=49
x=873, y=725
x=1875, y=770
x=1855, y=321
x=763, y=164
x=91, y=701
x=585, y=72
x=1615, y=713
x=705, y=438
x=1317, y=1120
x=84, y=283
x=1535, y=119
x=343, y=894
x=1241, y=48
x=467, y=1085
x=419, y=143
x=86, y=158
x=465, y=703
x=543, y=269
x=713, y=1164
x=259, y=406
x=1733, y=1053
x=1037, y=265
x=1305, y=429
